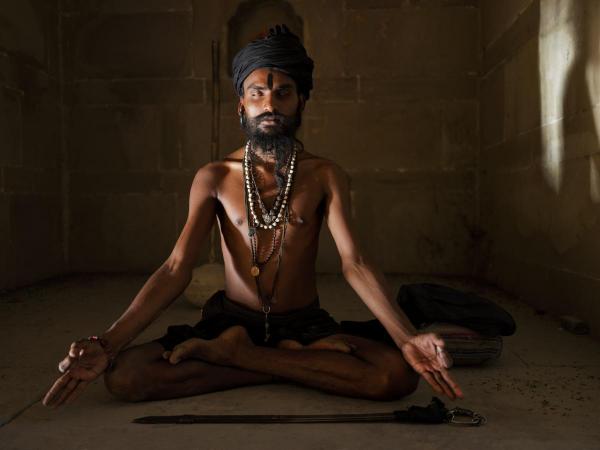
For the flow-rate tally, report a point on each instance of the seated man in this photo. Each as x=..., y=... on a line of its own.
x=270, y=198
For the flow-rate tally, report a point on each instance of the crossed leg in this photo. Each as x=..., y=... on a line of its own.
x=340, y=364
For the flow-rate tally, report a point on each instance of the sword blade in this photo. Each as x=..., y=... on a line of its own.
x=250, y=418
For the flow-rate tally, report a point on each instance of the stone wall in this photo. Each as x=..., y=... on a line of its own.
x=31, y=233
x=470, y=131
x=540, y=160
x=395, y=103
x=96, y=170
x=138, y=126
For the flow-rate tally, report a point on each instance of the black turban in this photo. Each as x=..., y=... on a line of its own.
x=280, y=49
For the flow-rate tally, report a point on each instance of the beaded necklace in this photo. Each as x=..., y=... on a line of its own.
x=272, y=219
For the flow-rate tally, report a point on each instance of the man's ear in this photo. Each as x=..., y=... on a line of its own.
x=302, y=101
x=240, y=108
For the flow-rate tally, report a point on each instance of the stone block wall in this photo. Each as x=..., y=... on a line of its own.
x=138, y=127
x=101, y=173
x=395, y=103
x=540, y=153
x=31, y=215
x=469, y=128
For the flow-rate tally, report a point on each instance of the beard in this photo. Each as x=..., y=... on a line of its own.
x=277, y=140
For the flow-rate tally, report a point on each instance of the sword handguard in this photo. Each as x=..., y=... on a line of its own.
x=435, y=412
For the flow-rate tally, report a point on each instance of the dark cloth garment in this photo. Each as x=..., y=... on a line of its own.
x=219, y=313
x=281, y=50
x=427, y=303
x=430, y=306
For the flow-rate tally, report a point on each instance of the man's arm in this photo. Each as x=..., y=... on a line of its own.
x=86, y=359
x=366, y=279
x=424, y=352
x=174, y=275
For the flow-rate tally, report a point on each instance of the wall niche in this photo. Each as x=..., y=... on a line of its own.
x=252, y=20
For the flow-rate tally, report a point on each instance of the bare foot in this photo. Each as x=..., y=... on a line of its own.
x=290, y=344
x=221, y=350
x=328, y=343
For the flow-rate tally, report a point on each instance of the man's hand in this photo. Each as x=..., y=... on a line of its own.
x=84, y=363
x=426, y=354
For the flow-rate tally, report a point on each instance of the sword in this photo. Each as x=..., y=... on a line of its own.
x=435, y=413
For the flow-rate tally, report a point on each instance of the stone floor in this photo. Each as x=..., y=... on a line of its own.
x=543, y=393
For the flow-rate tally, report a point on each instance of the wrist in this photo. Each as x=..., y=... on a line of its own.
x=401, y=336
x=400, y=343
x=110, y=352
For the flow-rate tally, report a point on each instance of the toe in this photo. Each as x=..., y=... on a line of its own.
x=180, y=352
x=290, y=344
x=336, y=345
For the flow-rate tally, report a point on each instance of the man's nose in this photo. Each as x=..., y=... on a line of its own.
x=268, y=104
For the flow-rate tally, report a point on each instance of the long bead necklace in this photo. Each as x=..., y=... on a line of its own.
x=272, y=220
x=271, y=216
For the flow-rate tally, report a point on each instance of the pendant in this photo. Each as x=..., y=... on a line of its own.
x=267, y=218
x=254, y=271
x=267, y=334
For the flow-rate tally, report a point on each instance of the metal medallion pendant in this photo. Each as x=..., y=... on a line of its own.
x=267, y=218
x=254, y=271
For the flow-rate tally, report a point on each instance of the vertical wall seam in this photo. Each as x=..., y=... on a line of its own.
x=477, y=206
x=64, y=154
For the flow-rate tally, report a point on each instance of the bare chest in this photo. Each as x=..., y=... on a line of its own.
x=306, y=201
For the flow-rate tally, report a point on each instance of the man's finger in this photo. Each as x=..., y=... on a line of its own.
x=56, y=388
x=76, y=392
x=75, y=351
x=453, y=384
x=178, y=353
x=432, y=382
x=447, y=390
x=443, y=357
x=65, y=364
x=437, y=340
x=71, y=385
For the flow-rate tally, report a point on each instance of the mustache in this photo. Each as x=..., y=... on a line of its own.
x=274, y=116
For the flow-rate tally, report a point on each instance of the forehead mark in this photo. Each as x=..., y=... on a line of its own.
x=270, y=80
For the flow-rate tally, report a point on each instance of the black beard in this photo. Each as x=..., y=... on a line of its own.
x=278, y=142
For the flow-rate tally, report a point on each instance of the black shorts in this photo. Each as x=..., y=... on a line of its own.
x=219, y=313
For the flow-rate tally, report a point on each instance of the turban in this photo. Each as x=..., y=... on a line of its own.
x=281, y=50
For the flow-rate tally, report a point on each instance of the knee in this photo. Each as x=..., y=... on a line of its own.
x=394, y=383
x=124, y=383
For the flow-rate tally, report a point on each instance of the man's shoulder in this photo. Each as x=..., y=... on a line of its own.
x=214, y=171
x=320, y=163
x=235, y=156
x=329, y=170
x=330, y=174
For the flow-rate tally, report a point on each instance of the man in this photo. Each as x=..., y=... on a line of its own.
x=270, y=198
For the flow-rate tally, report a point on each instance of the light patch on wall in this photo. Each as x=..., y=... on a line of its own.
x=594, y=179
x=556, y=56
x=590, y=75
